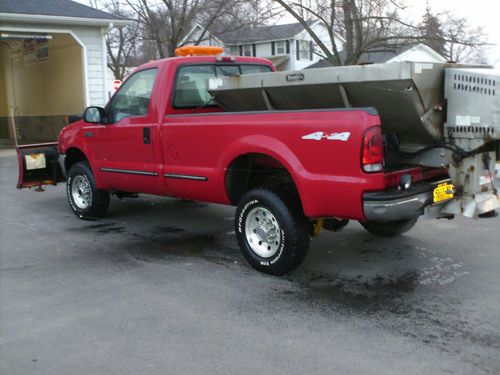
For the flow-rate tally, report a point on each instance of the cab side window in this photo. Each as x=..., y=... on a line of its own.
x=133, y=97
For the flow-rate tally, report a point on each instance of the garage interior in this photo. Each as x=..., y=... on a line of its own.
x=42, y=85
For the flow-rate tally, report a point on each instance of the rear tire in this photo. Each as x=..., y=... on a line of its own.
x=272, y=231
x=391, y=228
x=85, y=199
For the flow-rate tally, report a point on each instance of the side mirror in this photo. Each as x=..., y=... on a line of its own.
x=93, y=115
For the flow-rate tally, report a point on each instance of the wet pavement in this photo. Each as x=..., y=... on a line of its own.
x=159, y=287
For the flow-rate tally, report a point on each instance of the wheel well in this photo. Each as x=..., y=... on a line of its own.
x=249, y=171
x=73, y=155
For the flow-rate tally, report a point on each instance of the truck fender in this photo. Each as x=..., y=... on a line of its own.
x=75, y=154
x=269, y=146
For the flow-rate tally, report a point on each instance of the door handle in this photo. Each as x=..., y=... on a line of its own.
x=146, y=136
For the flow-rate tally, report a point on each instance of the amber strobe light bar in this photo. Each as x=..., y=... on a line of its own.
x=198, y=51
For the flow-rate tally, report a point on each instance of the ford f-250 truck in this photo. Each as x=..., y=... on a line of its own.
x=290, y=173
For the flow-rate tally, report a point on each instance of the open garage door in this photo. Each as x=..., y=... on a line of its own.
x=42, y=85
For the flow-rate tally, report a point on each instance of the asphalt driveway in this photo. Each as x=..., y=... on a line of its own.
x=159, y=287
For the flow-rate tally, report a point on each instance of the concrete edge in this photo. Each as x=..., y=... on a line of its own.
x=7, y=152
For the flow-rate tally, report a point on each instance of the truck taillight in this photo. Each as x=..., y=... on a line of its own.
x=373, y=150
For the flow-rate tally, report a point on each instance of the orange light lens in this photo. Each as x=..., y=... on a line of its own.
x=198, y=51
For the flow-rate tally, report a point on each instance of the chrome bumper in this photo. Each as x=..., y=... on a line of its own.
x=394, y=204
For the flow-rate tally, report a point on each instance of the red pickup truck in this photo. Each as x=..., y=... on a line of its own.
x=290, y=173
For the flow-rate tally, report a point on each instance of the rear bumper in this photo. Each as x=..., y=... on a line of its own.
x=394, y=204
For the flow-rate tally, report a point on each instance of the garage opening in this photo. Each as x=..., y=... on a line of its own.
x=42, y=85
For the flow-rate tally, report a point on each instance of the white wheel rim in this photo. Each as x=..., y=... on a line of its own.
x=81, y=192
x=263, y=232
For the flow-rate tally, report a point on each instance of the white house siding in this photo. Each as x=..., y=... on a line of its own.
x=322, y=33
x=419, y=53
x=208, y=39
x=232, y=50
x=94, y=54
x=92, y=38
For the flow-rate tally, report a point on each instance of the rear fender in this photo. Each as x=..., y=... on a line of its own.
x=39, y=165
x=265, y=145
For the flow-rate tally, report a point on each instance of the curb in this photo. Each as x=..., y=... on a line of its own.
x=7, y=152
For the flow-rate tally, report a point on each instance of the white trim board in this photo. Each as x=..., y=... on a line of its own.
x=61, y=20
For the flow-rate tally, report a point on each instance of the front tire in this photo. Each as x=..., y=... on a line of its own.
x=85, y=199
x=272, y=232
x=391, y=228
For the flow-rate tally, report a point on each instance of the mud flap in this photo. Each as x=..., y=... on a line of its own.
x=39, y=165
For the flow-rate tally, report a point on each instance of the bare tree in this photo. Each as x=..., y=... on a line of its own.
x=463, y=42
x=453, y=37
x=166, y=22
x=377, y=25
x=121, y=41
x=239, y=17
x=366, y=25
x=431, y=31
x=157, y=27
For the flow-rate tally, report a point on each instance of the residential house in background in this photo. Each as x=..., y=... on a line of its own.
x=288, y=46
x=417, y=52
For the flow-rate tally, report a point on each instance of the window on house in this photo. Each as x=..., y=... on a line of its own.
x=233, y=50
x=280, y=48
x=304, y=50
x=247, y=50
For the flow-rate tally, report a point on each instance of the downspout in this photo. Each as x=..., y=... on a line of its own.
x=108, y=29
x=104, y=31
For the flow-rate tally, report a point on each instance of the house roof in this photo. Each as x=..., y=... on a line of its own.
x=376, y=56
x=21, y=10
x=260, y=33
x=373, y=57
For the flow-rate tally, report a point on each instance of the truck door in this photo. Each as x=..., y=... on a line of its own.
x=123, y=147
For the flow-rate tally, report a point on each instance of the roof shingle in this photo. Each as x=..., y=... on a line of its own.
x=62, y=8
x=260, y=33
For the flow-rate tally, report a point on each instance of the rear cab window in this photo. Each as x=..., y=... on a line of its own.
x=190, y=89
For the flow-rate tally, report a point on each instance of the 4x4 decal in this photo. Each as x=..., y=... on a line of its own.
x=318, y=136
